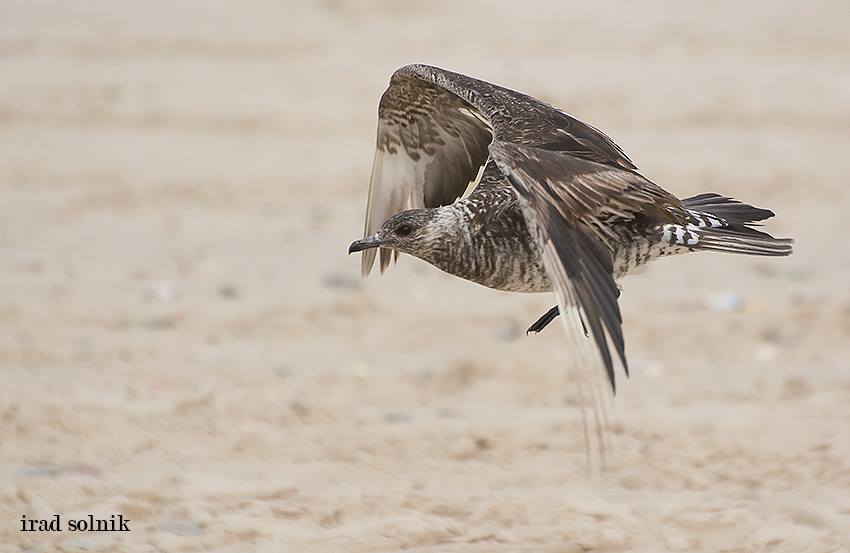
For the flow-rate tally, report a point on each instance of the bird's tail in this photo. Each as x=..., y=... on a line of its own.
x=718, y=223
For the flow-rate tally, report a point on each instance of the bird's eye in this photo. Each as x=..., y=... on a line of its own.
x=403, y=230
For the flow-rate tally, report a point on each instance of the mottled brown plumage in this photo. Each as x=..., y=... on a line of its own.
x=559, y=206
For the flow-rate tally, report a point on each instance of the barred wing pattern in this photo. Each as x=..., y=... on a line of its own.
x=430, y=146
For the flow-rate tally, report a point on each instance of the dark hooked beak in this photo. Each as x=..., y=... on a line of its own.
x=365, y=244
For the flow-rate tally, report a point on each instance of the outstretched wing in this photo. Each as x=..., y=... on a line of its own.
x=569, y=204
x=430, y=146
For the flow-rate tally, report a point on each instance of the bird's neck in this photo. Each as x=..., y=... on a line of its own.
x=452, y=235
x=492, y=249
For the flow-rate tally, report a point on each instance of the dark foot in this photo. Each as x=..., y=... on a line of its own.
x=543, y=321
x=547, y=318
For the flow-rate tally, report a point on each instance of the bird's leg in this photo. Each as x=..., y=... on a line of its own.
x=547, y=318
x=550, y=315
x=543, y=321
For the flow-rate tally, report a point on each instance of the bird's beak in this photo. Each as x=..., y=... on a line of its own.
x=365, y=244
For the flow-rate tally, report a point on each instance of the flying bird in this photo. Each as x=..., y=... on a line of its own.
x=558, y=207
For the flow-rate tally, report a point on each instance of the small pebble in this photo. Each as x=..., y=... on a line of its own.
x=80, y=544
x=766, y=352
x=396, y=417
x=185, y=528
x=361, y=370
x=55, y=471
x=228, y=291
x=163, y=292
x=655, y=370
x=341, y=281
x=509, y=331
x=726, y=302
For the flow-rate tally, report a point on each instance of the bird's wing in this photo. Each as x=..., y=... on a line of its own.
x=434, y=127
x=430, y=146
x=571, y=179
x=569, y=204
x=522, y=119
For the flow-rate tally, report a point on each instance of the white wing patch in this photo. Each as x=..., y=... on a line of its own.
x=397, y=184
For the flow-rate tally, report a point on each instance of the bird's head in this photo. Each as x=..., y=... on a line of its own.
x=415, y=232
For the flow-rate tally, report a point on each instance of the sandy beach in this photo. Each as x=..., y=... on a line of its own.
x=186, y=342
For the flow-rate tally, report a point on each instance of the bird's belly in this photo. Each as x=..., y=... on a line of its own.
x=521, y=270
x=512, y=262
x=525, y=271
x=534, y=281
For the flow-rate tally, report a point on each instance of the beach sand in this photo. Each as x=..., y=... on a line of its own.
x=185, y=341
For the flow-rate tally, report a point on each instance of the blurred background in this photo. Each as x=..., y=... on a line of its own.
x=185, y=341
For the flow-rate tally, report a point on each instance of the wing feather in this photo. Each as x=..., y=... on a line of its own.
x=567, y=202
x=429, y=147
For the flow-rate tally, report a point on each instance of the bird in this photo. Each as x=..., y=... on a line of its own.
x=558, y=206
